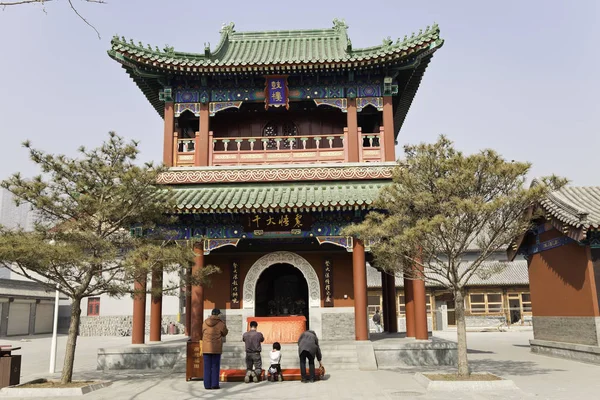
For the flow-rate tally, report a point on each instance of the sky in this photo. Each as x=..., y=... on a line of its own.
x=520, y=77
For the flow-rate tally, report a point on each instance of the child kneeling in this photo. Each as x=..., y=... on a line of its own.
x=275, y=368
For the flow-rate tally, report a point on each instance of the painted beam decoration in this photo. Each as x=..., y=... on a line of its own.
x=327, y=283
x=276, y=92
x=216, y=106
x=235, y=285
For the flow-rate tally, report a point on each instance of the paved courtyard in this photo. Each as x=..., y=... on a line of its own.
x=503, y=353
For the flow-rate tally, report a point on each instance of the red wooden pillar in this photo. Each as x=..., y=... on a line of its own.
x=388, y=129
x=359, y=275
x=139, y=311
x=409, y=308
x=188, y=302
x=203, y=140
x=384, y=301
x=391, y=307
x=352, y=123
x=156, y=306
x=197, y=308
x=420, y=305
x=169, y=131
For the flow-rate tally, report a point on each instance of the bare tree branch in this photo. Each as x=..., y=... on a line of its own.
x=5, y=4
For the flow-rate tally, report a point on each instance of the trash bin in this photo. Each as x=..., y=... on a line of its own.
x=10, y=366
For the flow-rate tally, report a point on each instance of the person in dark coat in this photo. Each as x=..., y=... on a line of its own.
x=213, y=332
x=308, y=349
x=253, y=338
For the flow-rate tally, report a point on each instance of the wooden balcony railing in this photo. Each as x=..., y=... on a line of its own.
x=277, y=149
x=326, y=148
x=371, y=148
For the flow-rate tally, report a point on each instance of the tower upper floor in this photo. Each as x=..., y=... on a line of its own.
x=303, y=96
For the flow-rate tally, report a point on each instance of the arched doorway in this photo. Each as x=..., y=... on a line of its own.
x=281, y=290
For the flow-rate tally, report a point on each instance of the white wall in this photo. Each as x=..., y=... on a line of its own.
x=12, y=216
x=110, y=306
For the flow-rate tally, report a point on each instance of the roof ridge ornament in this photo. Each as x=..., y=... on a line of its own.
x=387, y=42
x=169, y=49
x=339, y=24
x=227, y=29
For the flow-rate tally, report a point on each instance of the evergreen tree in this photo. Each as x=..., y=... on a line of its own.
x=440, y=203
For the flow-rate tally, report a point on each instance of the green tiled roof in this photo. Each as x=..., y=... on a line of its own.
x=281, y=48
x=277, y=197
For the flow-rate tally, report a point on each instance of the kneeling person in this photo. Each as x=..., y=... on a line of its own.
x=275, y=368
x=253, y=339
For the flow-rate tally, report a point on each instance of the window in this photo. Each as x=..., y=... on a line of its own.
x=374, y=301
x=526, y=302
x=402, y=306
x=481, y=303
x=93, y=306
x=286, y=130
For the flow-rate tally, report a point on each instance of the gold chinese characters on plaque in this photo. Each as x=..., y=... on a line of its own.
x=235, y=285
x=285, y=222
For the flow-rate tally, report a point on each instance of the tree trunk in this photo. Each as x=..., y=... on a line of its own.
x=461, y=330
x=67, y=371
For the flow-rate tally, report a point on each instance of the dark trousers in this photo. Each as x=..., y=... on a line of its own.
x=212, y=366
x=311, y=365
x=278, y=373
x=254, y=363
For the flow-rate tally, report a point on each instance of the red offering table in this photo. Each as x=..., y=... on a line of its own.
x=280, y=329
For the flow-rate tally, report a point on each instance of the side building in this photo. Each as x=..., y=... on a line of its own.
x=26, y=307
x=563, y=258
x=491, y=301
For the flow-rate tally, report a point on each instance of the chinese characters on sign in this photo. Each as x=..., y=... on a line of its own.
x=235, y=285
x=278, y=222
x=194, y=364
x=276, y=92
x=328, y=283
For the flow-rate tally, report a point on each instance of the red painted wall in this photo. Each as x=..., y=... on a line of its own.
x=562, y=281
x=218, y=293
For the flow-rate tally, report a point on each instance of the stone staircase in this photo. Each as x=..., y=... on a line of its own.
x=338, y=355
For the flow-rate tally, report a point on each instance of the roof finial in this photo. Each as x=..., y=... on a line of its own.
x=339, y=24
x=227, y=29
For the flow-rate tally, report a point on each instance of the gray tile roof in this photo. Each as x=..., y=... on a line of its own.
x=510, y=273
x=577, y=206
x=17, y=288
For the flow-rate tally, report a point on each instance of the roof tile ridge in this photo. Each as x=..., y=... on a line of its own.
x=430, y=32
x=565, y=206
x=227, y=30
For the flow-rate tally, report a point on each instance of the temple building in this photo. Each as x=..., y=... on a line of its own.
x=563, y=257
x=275, y=141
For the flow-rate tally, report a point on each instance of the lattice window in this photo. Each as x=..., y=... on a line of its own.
x=286, y=129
